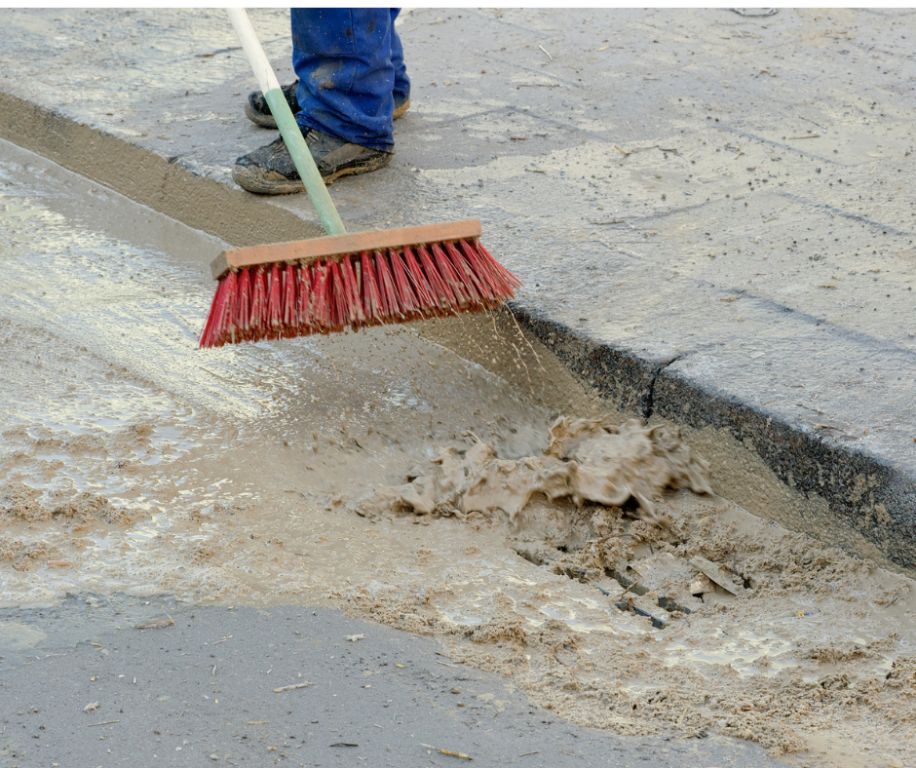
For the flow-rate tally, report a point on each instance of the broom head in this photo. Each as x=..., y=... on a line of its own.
x=327, y=284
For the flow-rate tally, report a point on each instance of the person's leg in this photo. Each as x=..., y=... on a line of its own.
x=401, y=80
x=346, y=77
x=258, y=112
x=345, y=94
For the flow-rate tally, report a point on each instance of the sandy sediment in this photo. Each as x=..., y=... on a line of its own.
x=19, y=502
x=595, y=570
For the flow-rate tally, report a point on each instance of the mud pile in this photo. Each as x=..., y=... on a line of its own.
x=24, y=508
x=587, y=461
x=19, y=502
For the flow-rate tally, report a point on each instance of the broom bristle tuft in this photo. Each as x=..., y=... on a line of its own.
x=257, y=322
x=371, y=298
x=274, y=301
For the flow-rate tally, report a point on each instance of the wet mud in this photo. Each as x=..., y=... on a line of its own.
x=586, y=461
x=486, y=499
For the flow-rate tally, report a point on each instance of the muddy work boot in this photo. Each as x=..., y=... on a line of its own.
x=258, y=112
x=270, y=170
x=401, y=105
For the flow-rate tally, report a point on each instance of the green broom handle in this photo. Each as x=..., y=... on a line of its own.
x=289, y=129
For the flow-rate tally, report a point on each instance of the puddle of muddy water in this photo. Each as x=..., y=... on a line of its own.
x=131, y=461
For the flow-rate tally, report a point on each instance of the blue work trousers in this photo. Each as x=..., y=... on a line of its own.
x=350, y=65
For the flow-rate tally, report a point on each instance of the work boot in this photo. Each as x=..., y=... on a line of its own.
x=258, y=112
x=269, y=170
x=401, y=105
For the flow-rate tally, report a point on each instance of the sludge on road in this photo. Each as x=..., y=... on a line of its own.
x=132, y=462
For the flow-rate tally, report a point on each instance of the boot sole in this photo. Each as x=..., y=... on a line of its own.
x=267, y=121
x=271, y=183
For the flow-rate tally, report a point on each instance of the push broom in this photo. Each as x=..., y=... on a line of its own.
x=328, y=284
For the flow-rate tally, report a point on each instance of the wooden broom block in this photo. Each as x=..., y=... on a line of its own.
x=341, y=245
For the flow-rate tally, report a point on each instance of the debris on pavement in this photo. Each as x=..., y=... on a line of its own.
x=161, y=623
x=292, y=687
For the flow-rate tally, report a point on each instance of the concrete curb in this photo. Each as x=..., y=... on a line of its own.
x=143, y=176
x=867, y=495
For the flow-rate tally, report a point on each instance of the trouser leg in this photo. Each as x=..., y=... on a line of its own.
x=343, y=58
x=401, y=81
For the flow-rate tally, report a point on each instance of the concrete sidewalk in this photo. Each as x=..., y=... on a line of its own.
x=712, y=214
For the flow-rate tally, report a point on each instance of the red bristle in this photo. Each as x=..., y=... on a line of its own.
x=509, y=281
x=390, y=307
x=226, y=330
x=304, y=300
x=406, y=298
x=208, y=334
x=339, y=309
x=490, y=275
x=320, y=316
x=425, y=293
x=258, y=321
x=479, y=266
x=290, y=318
x=219, y=321
x=426, y=298
x=355, y=315
x=371, y=298
x=444, y=297
x=243, y=304
x=274, y=300
x=450, y=275
x=472, y=284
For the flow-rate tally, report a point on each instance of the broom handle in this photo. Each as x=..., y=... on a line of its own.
x=289, y=129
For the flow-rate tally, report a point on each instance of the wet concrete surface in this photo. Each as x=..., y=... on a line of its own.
x=741, y=247
x=118, y=681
